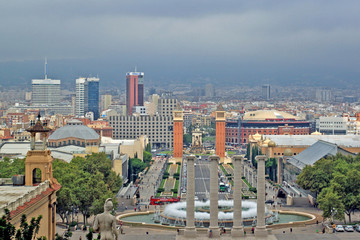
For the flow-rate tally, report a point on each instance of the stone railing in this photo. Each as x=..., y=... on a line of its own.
x=25, y=198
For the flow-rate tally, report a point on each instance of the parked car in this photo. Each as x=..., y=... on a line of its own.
x=339, y=228
x=357, y=228
x=269, y=202
x=196, y=198
x=349, y=228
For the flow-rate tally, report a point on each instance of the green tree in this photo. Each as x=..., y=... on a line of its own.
x=27, y=231
x=331, y=204
x=9, y=167
x=187, y=139
x=147, y=156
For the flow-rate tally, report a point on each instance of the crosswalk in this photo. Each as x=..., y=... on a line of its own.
x=196, y=193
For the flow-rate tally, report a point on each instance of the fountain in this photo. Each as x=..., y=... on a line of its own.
x=174, y=212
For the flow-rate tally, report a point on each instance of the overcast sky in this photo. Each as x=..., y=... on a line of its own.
x=257, y=40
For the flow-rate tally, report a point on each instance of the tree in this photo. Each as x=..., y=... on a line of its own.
x=9, y=168
x=331, y=204
x=187, y=139
x=27, y=231
x=147, y=156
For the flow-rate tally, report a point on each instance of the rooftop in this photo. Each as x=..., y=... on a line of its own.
x=307, y=140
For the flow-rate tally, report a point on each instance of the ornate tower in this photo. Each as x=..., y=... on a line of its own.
x=220, y=132
x=178, y=133
x=38, y=157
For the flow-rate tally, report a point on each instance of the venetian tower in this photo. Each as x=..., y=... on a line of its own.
x=220, y=132
x=178, y=133
x=38, y=157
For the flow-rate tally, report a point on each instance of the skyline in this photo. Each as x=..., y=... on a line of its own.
x=298, y=42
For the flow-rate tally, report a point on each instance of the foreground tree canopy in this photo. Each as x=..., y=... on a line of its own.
x=336, y=182
x=86, y=182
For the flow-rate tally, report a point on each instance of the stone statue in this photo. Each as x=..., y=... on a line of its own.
x=105, y=223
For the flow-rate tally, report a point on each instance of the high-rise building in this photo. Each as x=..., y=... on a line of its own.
x=80, y=97
x=92, y=96
x=323, y=95
x=265, y=90
x=209, y=90
x=134, y=90
x=45, y=92
x=87, y=97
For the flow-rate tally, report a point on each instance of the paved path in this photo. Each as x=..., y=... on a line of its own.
x=151, y=180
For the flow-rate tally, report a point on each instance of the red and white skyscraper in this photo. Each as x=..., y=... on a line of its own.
x=134, y=90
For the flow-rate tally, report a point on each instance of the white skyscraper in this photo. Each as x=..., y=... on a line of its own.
x=87, y=97
x=80, y=97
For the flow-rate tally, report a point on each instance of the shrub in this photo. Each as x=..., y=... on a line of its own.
x=160, y=190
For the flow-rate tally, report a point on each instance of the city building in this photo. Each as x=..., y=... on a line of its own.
x=209, y=90
x=159, y=129
x=134, y=90
x=80, y=97
x=92, y=96
x=106, y=101
x=323, y=95
x=87, y=97
x=45, y=92
x=332, y=125
x=269, y=122
x=76, y=134
x=265, y=91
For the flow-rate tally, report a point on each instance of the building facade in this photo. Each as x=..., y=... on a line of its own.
x=159, y=129
x=332, y=125
x=133, y=80
x=87, y=97
x=265, y=91
x=264, y=122
x=45, y=92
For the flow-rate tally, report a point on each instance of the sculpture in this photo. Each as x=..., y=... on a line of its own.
x=105, y=223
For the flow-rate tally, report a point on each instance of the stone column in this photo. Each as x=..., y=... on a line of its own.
x=190, y=231
x=237, y=229
x=214, y=194
x=260, y=230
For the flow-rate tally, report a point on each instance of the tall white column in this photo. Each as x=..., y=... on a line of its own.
x=190, y=231
x=260, y=230
x=214, y=194
x=237, y=229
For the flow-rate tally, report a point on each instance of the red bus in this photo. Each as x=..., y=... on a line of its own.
x=161, y=201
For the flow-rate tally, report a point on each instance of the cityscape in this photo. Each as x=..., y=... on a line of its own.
x=173, y=132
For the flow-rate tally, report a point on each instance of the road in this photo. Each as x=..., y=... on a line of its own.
x=202, y=180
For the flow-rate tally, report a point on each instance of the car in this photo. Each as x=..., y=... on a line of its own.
x=196, y=198
x=269, y=202
x=357, y=228
x=339, y=228
x=349, y=228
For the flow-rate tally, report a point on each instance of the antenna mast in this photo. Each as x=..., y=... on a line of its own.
x=45, y=68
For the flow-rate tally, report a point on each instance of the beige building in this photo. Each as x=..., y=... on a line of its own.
x=106, y=101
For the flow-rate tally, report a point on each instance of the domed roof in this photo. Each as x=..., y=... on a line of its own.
x=271, y=144
x=256, y=136
x=268, y=114
x=74, y=129
x=288, y=152
x=316, y=133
